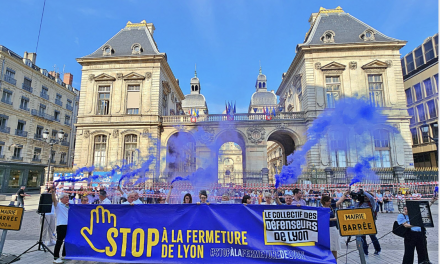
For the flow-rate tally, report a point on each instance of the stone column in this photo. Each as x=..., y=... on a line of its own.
x=265, y=175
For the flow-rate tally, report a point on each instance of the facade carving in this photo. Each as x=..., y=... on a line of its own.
x=256, y=134
x=353, y=65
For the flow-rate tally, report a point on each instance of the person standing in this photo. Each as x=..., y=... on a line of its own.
x=379, y=200
x=103, y=198
x=20, y=197
x=61, y=214
x=388, y=202
x=297, y=198
x=415, y=238
x=49, y=227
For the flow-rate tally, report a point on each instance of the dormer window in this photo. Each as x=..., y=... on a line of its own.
x=136, y=48
x=367, y=35
x=328, y=37
x=107, y=50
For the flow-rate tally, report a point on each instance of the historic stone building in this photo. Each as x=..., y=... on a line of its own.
x=127, y=103
x=33, y=101
x=343, y=56
x=420, y=76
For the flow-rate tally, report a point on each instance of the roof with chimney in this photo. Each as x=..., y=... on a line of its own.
x=136, y=39
x=341, y=28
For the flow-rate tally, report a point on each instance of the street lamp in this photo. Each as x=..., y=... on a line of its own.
x=51, y=143
x=425, y=131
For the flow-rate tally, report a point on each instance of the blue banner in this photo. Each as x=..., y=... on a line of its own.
x=218, y=233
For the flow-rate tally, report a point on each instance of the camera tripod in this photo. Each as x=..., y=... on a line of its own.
x=41, y=245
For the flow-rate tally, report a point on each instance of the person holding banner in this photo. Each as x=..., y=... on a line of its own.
x=335, y=243
x=61, y=214
x=130, y=199
x=268, y=199
x=203, y=197
x=246, y=200
x=136, y=201
x=103, y=198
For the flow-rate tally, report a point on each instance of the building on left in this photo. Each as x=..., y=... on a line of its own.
x=34, y=102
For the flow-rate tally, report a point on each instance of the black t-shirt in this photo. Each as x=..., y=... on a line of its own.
x=21, y=191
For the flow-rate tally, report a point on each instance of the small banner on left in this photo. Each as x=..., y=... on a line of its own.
x=11, y=217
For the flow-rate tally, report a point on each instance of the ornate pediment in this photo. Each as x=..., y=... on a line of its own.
x=376, y=64
x=104, y=77
x=333, y=66
x=134, y=76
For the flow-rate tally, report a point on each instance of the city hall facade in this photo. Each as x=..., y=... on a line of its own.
x=130, y=100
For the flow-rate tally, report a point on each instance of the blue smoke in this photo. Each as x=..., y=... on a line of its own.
x=362, y=170
x=349, y=114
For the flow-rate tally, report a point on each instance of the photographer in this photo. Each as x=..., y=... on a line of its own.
x=366, y=200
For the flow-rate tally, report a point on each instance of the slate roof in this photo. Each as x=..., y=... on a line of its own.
x=194, y=100
x=346, y=28
x=122, y=42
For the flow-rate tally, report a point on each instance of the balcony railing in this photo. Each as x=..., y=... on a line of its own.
x=69, y=107
x=17, y=158
x=236, y=117
x=63, y=162
x=53, y=161
x=38, y=136
x=58, y=102
x=67, y=122
x=57, y=119
x=44, y=95
x=36, y=160
x=35, y=112
x=21, y=133
x=6, y=101
x=27, y=88
x=10, y=80
x=65, y=143
x=6, y=130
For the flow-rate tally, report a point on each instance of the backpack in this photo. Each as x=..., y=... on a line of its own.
x=399, y=230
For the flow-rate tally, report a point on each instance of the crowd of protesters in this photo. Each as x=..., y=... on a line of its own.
x=378, y=201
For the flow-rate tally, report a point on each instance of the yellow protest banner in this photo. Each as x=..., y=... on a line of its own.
x=11, y=217
x=356, y=222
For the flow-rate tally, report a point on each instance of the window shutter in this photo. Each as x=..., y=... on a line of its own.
x=133, y=99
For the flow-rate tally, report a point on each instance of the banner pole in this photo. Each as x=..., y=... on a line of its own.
x=2, y=241
x=361, y=249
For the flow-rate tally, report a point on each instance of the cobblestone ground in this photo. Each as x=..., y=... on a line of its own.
x=392, y=246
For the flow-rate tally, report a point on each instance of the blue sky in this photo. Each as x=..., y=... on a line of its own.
x=227, y=39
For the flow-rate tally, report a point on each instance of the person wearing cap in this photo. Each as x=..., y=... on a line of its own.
x=103, y=198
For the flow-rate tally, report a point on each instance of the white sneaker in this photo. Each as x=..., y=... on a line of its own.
x=58, y=261
x=63, y=257
x=50, y=243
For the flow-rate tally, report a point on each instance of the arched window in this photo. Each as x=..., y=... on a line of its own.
x=259, y=85
x=197, y=88
x=100, y=150
x=338, y=149
x=130, y=146
x=264, y=85
x=382, y=150
x=192, y=87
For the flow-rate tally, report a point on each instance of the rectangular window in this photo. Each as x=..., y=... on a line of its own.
x=58, y=100
x=332, y=89
x=69, y=105
x=54, y=134
x=434, y=128
x=409, y=62
x=10, y=73
x=3, y=120
x=411, y=114
x=67, y=120
x=436, y=80
x=24, y=103
x=409, y=99
x=415, y=138
x=429, y=51
x=103, y=100
x=7, y=96
x=44, y=92
x=338, y=153
x=419, y=57
x=418, y=92
x=425, y=136
x=39, y=132
x=133, y=99
x=63, y=158
x=52, y=157
x=421, y=112
x=375, y=86
x=383, y=159
x=20, y=125
x=431, y=109
x=428, y=87
x=37, y=154
x=42, y=109
x=402, y=62
x=132, y=111
x=56, y=115
x=17, y=152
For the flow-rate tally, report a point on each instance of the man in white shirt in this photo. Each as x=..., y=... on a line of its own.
x=131, y=198
x=136, y=201
x=288, y=192
x=103, y=198
x=61, y=213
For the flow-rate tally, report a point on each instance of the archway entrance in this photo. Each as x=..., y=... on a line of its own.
x=280, y=145
x=181, y=155
x=230, y=166
x=231, y=157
